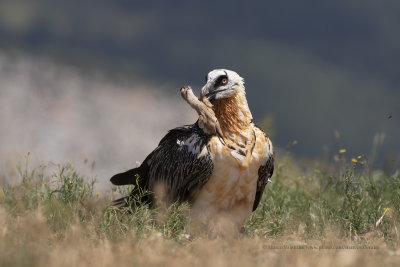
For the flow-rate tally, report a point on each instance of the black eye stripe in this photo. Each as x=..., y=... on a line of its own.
x=219, y=79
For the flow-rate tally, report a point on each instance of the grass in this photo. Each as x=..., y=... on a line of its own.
x=53, y=217
x=350, y=201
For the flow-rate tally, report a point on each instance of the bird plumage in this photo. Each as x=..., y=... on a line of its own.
x=181, y=163
x=217, y=176
x=207, y=119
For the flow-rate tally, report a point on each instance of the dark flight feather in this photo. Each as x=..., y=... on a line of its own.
x=175, y=164
x=264, y=175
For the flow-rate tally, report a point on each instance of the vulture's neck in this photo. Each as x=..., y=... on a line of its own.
x=234, y=117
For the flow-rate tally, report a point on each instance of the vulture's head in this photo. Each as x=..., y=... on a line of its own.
x=221, y=84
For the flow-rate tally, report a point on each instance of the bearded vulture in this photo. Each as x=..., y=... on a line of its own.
x=217, y=176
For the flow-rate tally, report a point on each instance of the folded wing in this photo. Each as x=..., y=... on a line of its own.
x=181, y=164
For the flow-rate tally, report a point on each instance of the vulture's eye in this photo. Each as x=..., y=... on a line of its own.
x=224, y=81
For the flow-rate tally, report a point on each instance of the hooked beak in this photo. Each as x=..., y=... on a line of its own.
x=205, y=92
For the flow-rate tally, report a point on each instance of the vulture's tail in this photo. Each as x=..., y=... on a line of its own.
x=136, y=177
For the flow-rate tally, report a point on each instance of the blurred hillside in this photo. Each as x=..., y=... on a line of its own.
x=326, y=72
x=60, y=115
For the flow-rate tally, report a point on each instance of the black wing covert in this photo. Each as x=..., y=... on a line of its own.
x=181, y=164
x=264, y=177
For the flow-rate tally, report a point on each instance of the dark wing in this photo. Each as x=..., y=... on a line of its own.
x=264, y=175
x=181, y=164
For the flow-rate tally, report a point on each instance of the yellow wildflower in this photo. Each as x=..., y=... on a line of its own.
x=342, y=151
x=386, y=209
x=354, y=160
x=359, y=157
x=71, y=182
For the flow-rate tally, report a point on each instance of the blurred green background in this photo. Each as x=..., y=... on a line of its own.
x=323, y=74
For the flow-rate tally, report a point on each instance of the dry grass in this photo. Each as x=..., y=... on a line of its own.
x=53, y=218
x=36, y=245
x=28, y=241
